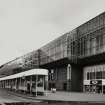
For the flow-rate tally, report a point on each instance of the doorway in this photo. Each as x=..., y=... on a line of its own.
x=65, y=86
x=28, y=88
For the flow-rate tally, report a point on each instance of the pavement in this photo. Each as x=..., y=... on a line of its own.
x=7, y=97
x=66, y=96
x=58, y=98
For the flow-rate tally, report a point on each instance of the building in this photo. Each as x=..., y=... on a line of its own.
x=33, y=82
x=75, y=60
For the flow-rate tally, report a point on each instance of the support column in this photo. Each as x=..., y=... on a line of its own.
x=43, y=79
x=9, y=84
x=15, y=84
x=31, y=84
x=84, y=88
x=2, y=84
x=102, y=89
x=36, y=85
x=12, y=84
x=20, y=84
x=24, y=85
x=6, y=84
x=46, y=84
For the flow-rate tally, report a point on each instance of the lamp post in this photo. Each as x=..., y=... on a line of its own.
x=68, y=76
x=52, y=71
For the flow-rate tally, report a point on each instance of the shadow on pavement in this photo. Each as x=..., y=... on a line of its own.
x=54, y=103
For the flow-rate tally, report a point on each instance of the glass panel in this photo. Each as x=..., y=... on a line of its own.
x=99, y=75
x=88, y=76
x=103, y=75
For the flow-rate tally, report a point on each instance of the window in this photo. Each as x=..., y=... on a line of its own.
x=93, y=75
x=99, y=75
x=103, y=75
x=88, y=76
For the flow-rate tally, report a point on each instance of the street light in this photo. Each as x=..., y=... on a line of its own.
x=52, y=72
x=68, y=72
x=53, y=89
x=68, y=76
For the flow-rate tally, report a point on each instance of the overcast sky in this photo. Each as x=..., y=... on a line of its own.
x=26, y=25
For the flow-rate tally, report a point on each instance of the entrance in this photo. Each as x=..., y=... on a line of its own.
x=65, y=86
x=94, y=88
x=99, y=89
x=51, y=85
x=28, y=87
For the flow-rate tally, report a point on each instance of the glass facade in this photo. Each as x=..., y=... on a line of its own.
x=91, y=36
x=94, y=78
x=54, y=51
x=94, y=72
x=72, y=45
x=31, y=60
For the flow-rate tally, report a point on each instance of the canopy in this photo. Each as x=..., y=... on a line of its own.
x=26, y=73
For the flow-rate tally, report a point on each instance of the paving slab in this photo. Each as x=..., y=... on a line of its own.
x=67, y=96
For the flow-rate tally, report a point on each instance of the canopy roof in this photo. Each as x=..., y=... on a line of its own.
x=26, y=73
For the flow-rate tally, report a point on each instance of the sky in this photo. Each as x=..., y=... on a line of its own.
x=26, y=25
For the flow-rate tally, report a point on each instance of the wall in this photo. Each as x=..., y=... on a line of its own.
x=59, y=77
x=76, y=78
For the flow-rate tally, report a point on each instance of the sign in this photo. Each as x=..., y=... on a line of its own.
x=96, y=82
